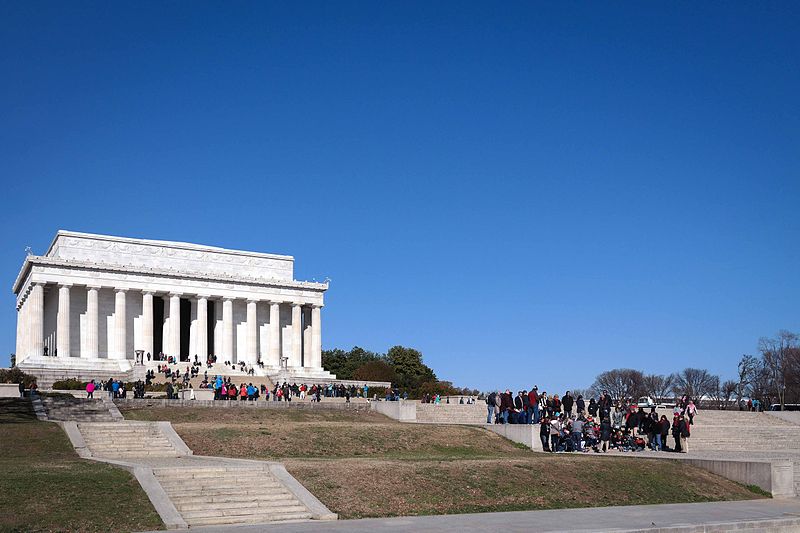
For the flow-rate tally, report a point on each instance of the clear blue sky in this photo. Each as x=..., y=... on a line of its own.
x=527, y=194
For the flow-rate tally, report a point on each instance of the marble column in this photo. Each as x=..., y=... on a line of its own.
x=120, y=325
x=297, y=337
x=147, y=324
x=20, y=338
x=175, y=325
x=274, y=355
x=307, y=337
x=36, y=322
x=92, y=336
x=227, y=330
x=62, y=321
x=252, y=332
x=316, y=336
x=201, y=340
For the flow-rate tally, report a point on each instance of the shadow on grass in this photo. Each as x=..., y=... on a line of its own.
x=16, y=411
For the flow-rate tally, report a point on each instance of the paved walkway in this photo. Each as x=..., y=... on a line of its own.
x=684, y=517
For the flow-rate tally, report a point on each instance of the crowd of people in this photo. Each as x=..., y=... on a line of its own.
x=569, y=424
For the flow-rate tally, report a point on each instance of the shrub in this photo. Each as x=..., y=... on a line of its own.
x=15, y=375
x=69, y=384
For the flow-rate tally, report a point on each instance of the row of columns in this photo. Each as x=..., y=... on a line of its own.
x=305, y=348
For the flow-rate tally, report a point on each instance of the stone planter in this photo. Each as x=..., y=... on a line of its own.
x=11, y=390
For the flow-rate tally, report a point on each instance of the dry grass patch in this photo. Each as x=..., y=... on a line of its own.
x=374, y=488
x=278, y=434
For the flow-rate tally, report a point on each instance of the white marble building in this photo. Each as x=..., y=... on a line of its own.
x=92, y=301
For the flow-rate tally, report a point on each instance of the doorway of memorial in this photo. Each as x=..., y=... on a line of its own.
x=158, y=330
x=185, y=327
x=212, y=321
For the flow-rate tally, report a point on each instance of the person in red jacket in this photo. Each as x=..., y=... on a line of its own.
x=533, y=405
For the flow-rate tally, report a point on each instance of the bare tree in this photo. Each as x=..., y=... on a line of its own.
x=778, y=355
x=748, y=368
x=729, y=389
x=658, y=386
x=620, y=383
x=694, y=382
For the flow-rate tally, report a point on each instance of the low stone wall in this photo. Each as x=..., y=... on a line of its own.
x=9, y=390
x=775, y=477
x=130, y=403
x=403, y=410
x=199, y=394
x=527, y=434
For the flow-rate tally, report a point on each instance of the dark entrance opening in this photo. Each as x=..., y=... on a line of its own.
x=186, y=321
x=158, y=328
x=212, y=321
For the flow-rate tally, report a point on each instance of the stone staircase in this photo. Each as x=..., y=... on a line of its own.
x=69, y=409
x=741, y=431
x=127, y=439
x=229, y=495
x=754, y=435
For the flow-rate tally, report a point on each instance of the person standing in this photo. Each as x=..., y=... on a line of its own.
x=519, y=408
x=90, y=389
x=568, y=401
x=604, y=405
x=605, y=433
x=577, y=433
x=555, y=432
x=544, y=432
x=684, y=432
x=506, y=405
x=533, y=402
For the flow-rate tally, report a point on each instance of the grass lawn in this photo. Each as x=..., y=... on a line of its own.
x=45, y=486
x=364, y=464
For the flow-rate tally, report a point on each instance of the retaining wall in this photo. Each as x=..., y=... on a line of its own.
x=403, y=410
x=129, y=403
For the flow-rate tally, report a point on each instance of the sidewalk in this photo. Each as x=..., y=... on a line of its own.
x=754, y=515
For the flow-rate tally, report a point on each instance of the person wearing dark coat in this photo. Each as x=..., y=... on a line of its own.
x=663, y=427
x=605, y=433
x=605, y=405
x=676, y=433
x=506, y=405
x=593, y=407
x=580, y=404
x=568, y=401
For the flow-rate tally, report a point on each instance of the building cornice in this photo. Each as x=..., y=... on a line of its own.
x=33, y=260
x=168, y=244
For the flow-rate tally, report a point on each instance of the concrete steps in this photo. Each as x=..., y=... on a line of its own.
x=229, y=495
x=127, y=439
x=45, y=377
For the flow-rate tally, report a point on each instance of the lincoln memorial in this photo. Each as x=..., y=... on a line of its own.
x=96, y=301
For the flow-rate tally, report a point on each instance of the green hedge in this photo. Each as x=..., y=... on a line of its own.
x=15, y=375
x=69, y=384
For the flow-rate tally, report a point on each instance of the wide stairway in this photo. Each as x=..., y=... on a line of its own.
x=741, y=431
x=69, y=409
x=126, y=439
x=229, y=495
